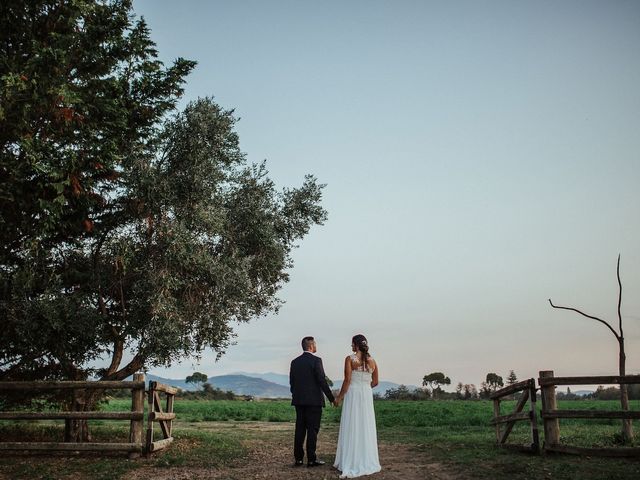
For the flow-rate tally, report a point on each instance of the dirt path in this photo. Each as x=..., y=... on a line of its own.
x=271, y=458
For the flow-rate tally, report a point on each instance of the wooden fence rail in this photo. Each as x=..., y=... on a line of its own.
x=528, y=389
x=73, y=385
x=135, y=445
x=551, y=415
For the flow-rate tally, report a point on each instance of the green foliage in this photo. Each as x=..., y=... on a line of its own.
x=491, y=384
x=569, y=395
x=466, y=391
x=196, y=378
x=512, y=378
x=613, y=393
x=494, y=381
x=435, y=381
x=82, y=94
x=403, y=393
x=208, y=392
x=123, y=227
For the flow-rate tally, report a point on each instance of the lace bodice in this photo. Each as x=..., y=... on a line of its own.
x=360, y=377
x=356, y=367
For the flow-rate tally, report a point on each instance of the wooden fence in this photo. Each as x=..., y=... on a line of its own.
x=135, y=446
x=528, y=389
x=156, y=414
x=551, y=415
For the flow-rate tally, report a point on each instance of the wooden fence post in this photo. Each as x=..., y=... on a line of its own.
x=149, y=438
x=496, y=414
x=551, y=425
x=137, y=405
x=170, y=410
x=535, y=437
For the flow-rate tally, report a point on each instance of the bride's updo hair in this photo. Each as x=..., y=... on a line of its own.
x=360, y=341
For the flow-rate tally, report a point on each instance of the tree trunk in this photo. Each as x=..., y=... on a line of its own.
x=77, y=431
x=627, y=426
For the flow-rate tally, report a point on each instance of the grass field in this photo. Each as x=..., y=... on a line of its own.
x=454, y=433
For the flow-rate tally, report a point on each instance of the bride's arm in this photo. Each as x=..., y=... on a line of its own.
x=374, y=377
x=347, y=379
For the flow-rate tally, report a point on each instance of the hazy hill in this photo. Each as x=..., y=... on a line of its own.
x=582, y=393
x=238, y=384
x=265, y=385
x=282, y=379
x=382, y=387
x=277, y=378
x=245, y=385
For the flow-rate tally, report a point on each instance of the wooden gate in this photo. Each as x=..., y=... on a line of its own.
x=163, y=417
x=528, y=389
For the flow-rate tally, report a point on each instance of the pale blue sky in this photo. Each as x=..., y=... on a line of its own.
x=480, y=156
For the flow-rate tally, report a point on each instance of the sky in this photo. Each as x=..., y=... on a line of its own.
x=480, y=158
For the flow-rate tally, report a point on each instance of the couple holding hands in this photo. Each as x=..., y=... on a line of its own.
x=357, y=450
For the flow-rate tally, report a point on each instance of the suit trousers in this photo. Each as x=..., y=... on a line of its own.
x=307, y=424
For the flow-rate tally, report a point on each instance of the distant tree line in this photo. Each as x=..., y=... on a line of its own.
x=209, y=392
x=608, y=393
x=206, y=391
x=432, y=389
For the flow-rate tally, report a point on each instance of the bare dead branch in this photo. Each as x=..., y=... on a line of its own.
x=619, y=297
x=588, y=316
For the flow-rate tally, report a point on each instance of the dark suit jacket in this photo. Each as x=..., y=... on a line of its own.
x=308, y=381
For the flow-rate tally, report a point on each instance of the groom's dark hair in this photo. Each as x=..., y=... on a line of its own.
x=306, y=343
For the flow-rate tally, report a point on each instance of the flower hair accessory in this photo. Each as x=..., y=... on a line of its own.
x=363, y=342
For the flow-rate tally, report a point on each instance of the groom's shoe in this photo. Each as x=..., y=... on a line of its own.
x=315, y=463
x=298, y=463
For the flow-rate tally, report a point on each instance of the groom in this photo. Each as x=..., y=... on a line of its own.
x=308, y=381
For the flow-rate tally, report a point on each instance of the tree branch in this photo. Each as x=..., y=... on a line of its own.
x=118, y=348
x=588, y=316
x=619, y=297
x=132, y=367
x=96, y=255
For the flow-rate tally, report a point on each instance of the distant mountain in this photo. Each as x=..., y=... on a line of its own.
x=245, y=385
x=264, y=385
x=582, y=393
x=277, y=378
x=238, y=384
x=380, y=389
x=282, y=379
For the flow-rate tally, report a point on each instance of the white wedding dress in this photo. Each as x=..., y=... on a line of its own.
x=357, y=452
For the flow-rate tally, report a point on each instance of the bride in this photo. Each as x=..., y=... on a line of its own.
x=357, y=452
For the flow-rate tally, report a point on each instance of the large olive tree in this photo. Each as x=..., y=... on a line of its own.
x=127, y=231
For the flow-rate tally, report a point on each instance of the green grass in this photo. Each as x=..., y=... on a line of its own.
x=196, y=448
x=428, y=414
x=191, y=447
x=454, y=433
